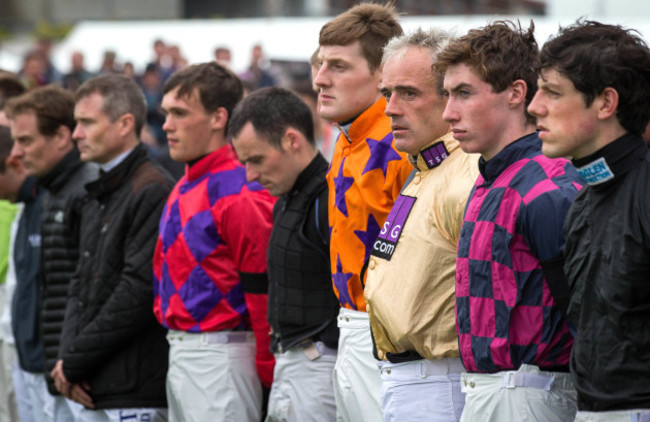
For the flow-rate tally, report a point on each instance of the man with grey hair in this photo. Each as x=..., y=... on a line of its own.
x=411, y=270
x=113, y=353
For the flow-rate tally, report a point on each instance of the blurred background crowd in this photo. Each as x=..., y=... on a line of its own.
x=266, y=42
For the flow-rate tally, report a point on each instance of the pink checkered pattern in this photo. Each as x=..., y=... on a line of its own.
x=505, y=313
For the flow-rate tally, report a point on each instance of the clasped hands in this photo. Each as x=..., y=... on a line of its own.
x=74, y=391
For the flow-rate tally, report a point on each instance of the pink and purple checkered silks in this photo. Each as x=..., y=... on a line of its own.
x=505, y=313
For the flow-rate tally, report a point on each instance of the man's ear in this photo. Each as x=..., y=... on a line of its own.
x=607, y=103
x=63, y=137
x=378, y=76
x=292, y=140
x=126, y=124
x=518, y=90
x=219, y=119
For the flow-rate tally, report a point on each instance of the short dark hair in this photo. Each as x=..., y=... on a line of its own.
x=52, y=105
x=6, y=143
x=121, y=96
x=215, y=85
x=10, y=86
x=595, y=56
x=271, y=111
x=370, y=24
x=501, y=53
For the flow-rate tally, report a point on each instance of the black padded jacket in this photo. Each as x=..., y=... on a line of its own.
x=302, y=304
x=110, y=337
x=64, y=185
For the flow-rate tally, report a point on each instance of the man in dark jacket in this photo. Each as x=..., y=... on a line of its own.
x=272, y=133
x=27, y=375
x=592, y=105
x=113, y=354
x=42, y=122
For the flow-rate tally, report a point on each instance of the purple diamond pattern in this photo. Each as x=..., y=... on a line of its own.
x=199, y=294
x=172, y=227
x=201, y=229
x=235, y=298
x=225, y=183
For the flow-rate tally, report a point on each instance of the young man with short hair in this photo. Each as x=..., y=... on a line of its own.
x=514, y=340
x=273, y=135
x=592, y=105
x=113, y=353
x=210, y=281
x=365, y=177
x=411, y=274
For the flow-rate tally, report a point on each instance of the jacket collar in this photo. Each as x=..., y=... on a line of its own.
x=316, y=166
x=434, y=153
x=113, y=179
x=28, y=191
x=613, y=160
x=355, y=132
x=526, y=146
x=210, y=162
x=60, y=174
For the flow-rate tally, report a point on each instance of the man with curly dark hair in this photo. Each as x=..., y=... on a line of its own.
x=592, y=105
